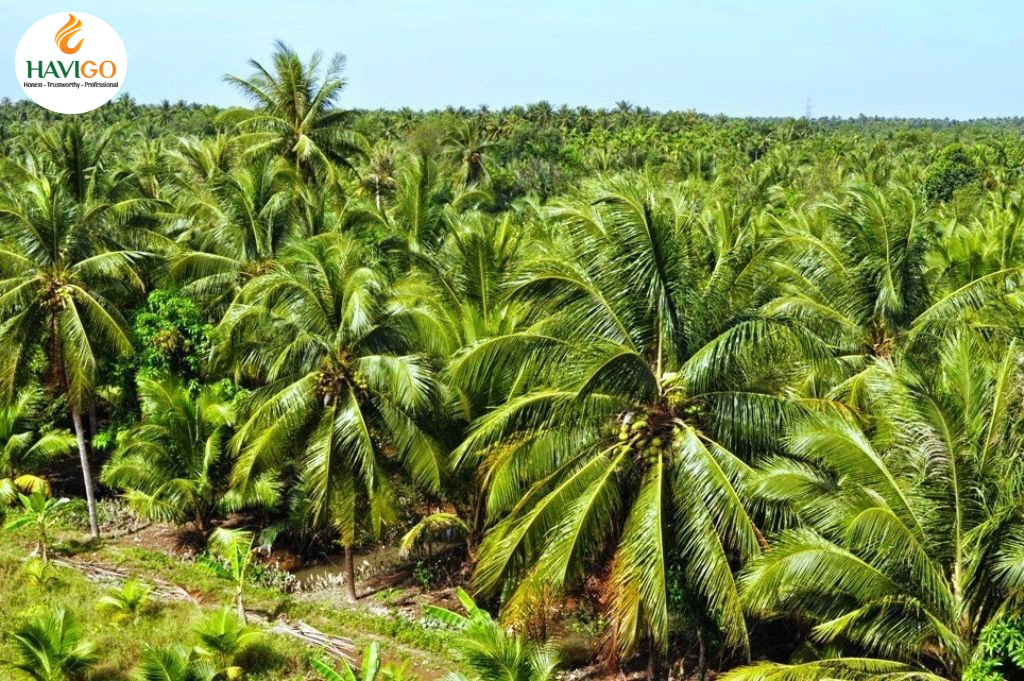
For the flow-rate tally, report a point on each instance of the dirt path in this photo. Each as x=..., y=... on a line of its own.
x=335, y=647
x=97, y=572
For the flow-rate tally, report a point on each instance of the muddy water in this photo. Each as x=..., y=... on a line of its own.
x=330, y=573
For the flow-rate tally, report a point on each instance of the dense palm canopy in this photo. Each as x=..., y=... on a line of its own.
x=910, y=533
x=233, y=230
x=857, y=274
x=696, y=381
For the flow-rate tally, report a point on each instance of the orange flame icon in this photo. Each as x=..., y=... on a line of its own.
x=66, y=33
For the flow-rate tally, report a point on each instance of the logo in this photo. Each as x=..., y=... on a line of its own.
x=71, y=62
x=66, y=33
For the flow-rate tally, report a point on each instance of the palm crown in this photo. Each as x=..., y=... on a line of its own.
x=625, y=421
x=237, y=226
x=295, y=113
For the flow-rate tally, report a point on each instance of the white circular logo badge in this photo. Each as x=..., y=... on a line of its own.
x=71, y=62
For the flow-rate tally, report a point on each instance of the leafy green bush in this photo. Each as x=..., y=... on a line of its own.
x=1000, y=650
x=952, y=169
x=172, y=336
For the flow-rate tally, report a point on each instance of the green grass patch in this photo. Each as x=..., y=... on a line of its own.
x=168, y=623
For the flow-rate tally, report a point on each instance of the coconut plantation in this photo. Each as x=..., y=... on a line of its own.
x=300, y=391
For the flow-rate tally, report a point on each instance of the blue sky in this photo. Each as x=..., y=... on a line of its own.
x=941, y=58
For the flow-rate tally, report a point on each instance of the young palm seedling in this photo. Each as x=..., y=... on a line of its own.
x=51, y=648
x=229, y=557
x=370, y=668
x=40, y=512
x=126, y=603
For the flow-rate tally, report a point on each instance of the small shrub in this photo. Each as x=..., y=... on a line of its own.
x=951, y=170
x=1000, y=652
x=425, y=574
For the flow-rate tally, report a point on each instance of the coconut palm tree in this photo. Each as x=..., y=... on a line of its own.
x=369, y=670
x=379, y=177
x=223, y=637
x=417, y=215
x=466, y=146
x=237, y=224
x=642, y=387
x=295, y=113
x=910, y=538
x=992, y=241
x=39, y=574
x=51, y=648
x=107, y=188
x=174, y=465
x=470, y=272
x=80, y=158
x=58, y=283
x=334, y=341
x=857, y=275
x=23, y=446
x=196, y=161
x=478, y=260
x=423, y=207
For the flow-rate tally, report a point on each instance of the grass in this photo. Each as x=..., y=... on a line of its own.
x=171, y=623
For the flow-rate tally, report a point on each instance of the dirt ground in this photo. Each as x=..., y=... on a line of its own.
x=385, y=583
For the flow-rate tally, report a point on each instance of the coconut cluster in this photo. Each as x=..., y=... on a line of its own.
x=645, y=436
x=333, y=380
x=57, y=292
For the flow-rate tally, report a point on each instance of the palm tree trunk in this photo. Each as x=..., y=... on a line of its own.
x=76, y=417
x=83, y=456
x=350, y=574
x=240, y=604
x=702, y=662
x=654, y=662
